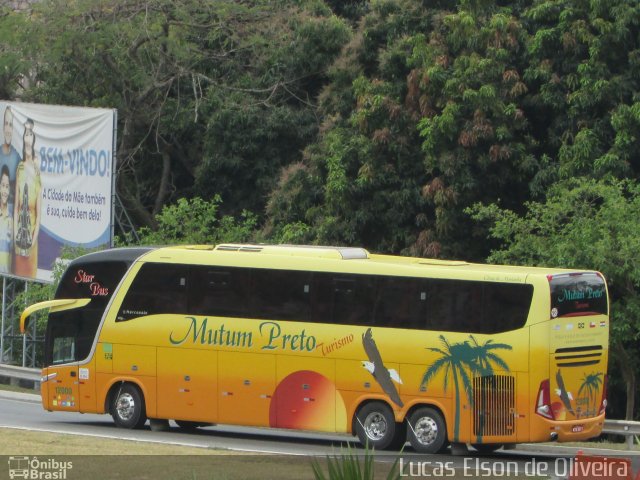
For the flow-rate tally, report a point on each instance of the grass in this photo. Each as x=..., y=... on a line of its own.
x=94, y=457
x=15, y=388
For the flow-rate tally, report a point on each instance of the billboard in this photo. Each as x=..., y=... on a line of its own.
x=56, y=182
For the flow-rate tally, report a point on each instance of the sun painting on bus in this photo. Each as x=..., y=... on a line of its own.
x=305, y=400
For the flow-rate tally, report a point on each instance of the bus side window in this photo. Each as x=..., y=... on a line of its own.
x=397, y=303
x=280, y=295
x=157, y=289
x=342, y=299
x=218, y=291
x=321, y=297
x=506, y=306
x=352, y=300
x=440, y=309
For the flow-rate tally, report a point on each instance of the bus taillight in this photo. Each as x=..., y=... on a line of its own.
x=543, y=406
x=603, y=403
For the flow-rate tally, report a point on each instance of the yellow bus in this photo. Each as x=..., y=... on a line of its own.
x=391, y=349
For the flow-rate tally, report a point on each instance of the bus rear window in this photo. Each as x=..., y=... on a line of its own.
x=578, y=294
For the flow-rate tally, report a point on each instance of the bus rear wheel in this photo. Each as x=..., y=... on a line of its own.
x=127, y=408
x=376, y=426
x=427, y=431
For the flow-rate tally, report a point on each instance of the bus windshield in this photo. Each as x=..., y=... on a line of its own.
x=70, y=334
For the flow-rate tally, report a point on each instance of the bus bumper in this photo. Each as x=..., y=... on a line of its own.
x=575, y=430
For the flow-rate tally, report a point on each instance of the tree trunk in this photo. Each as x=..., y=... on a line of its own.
x=163, y=189
x=628, y=374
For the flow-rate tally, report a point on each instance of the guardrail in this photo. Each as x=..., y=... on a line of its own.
x=20, y=376
x=623, y=427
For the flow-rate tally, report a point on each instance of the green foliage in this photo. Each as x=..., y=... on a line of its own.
x=196, y=221
x=348, y=466
x=582, y=76
x=12, y=60
x=212, y=97
x=360, y=182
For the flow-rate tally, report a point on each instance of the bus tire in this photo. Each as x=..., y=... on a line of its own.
x=427, y=431
x=376, y=426
x=128, y=409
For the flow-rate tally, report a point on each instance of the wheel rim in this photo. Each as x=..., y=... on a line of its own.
x=426, y=430
x=375, y=426
x=126, y=406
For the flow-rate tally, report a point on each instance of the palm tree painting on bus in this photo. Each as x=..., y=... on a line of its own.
x=486, y=358
x=591, y=384
x=460, y=362
x=455, y=359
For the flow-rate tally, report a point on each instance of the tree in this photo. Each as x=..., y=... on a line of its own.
x=585, y=224
x=196, y=221
x=582, y=75
x=433, y=107
x=212, y=97
x=12, y=62
x=360, y=182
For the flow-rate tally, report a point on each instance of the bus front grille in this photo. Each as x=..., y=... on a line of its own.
x=494, y=405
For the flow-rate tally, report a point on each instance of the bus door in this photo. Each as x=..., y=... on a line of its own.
x=69, y=388
x=63, y=389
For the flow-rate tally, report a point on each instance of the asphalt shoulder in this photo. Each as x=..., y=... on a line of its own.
x=25, y=397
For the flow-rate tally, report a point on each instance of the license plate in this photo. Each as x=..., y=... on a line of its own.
x=577, y=428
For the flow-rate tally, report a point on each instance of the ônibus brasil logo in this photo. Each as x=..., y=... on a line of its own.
x=36, y=469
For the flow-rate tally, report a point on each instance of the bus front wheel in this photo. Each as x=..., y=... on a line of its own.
x=376, y=425
x=427, y=431
x=127, y=408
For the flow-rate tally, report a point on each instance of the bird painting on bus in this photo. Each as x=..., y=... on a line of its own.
x=564, y=395
x=375, y=366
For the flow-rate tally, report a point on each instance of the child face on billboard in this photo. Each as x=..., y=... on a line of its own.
x=4, y=189
x=8, y=126
x=28, y=137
